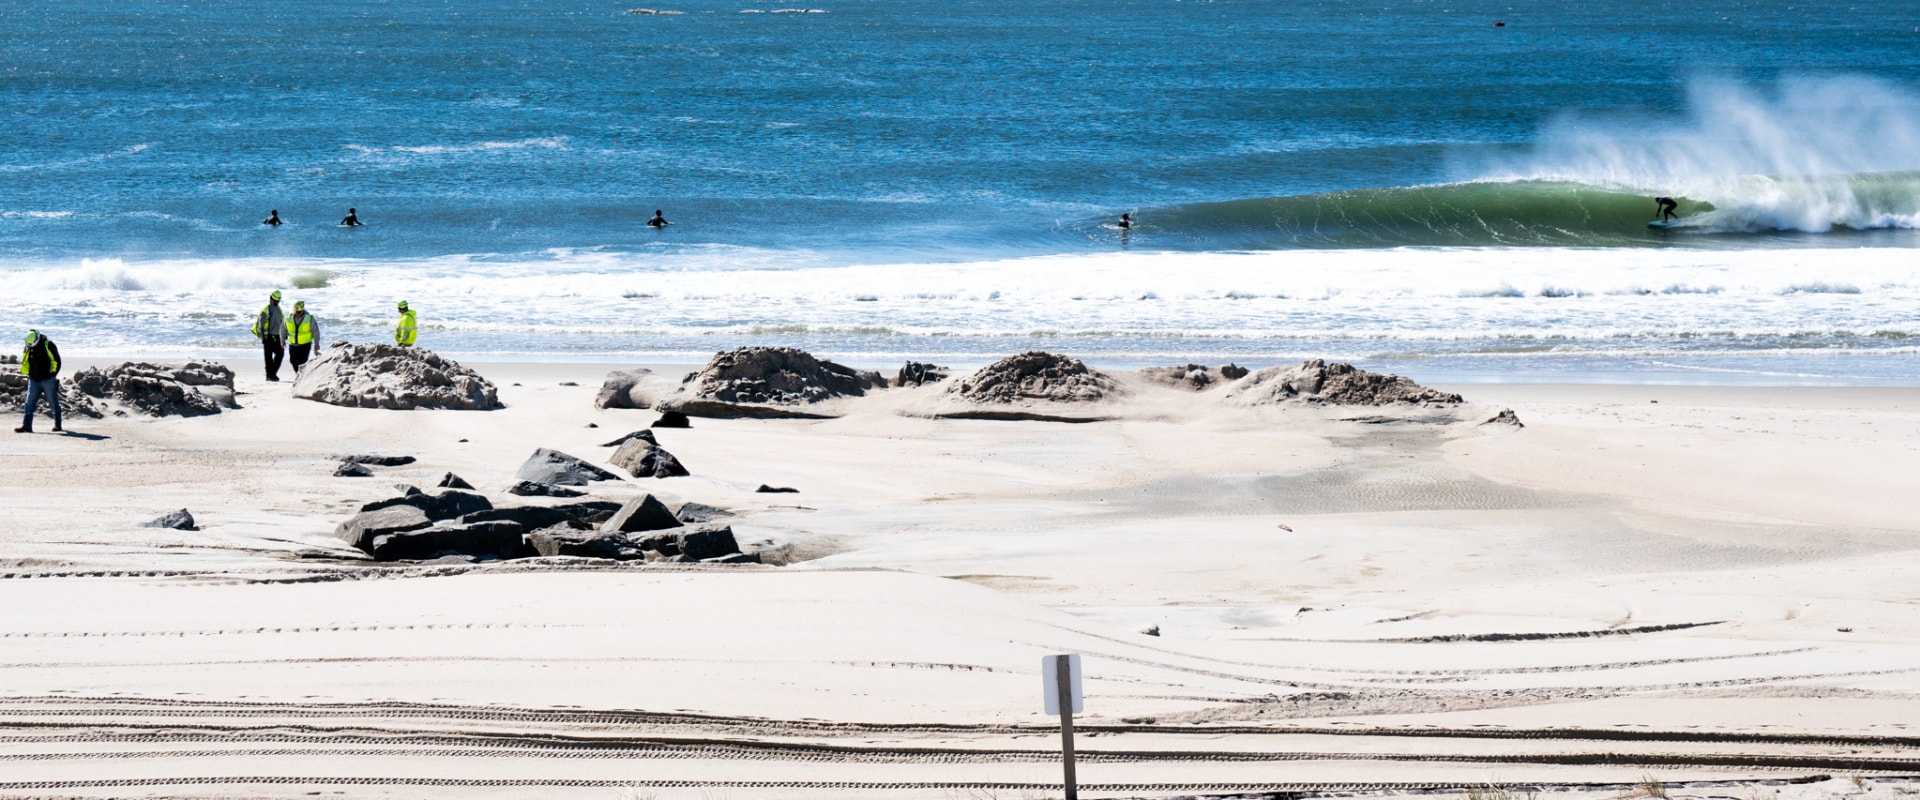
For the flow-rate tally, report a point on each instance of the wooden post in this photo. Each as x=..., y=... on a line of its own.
x=1063, y=680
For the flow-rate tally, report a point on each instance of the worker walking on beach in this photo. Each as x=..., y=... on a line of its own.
x=40, y=362
x=302, y=329
x=408, y=329
x=270, y=327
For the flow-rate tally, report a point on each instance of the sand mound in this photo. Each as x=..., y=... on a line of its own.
x=767, y=382
x=1030, y=386
x=1193, y=377
x=13, y=394
x=393, y=377
x=194, y=389
x=1317, y=382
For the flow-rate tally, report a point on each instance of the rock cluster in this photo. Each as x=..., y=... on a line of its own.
x=766, y=382
x=466, y=527
x=1035, y=376
x=13, y=393
x=1317, y=382
x=392, y=377
x=914, y=373
x=1194, y=377
x=193, y=389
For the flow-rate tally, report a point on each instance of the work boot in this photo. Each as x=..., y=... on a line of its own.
x=23, y=429
x=58, y=429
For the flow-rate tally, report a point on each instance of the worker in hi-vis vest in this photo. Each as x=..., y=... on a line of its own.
x=408, y=329
x=302, y=329
x=270, y=328
x=40, y=362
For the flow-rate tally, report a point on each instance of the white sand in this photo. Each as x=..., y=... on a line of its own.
x=1743, y=559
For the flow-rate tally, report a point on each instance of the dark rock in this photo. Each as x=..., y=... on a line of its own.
x=1505, y=417
x=699, y=512
x=181, y=520
x=645, y=435
x=1317, y=382
x=531, y=489
x=450, y=504
x=561, y=540
x=481, y=539
x=352, y=469
x=672, y=419
x=194, y=389
x=406, y=489
x=361, y=529
x=378, y=461
x=641, y=514
x=1234, y=372
x=914, y=373
x=1035, y=376
x=587, y=513
x=392, y=377
x=626, y=388
x=647, y=460
x=452, y=481
x=765, y=489
x=694, y=543
x=767, y=382
x=560, y=469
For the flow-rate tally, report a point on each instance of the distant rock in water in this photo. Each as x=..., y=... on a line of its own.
x=392, y=377
x=1035, y=376
x=1194, y=377
x=1317, y=382
x=13, y=394
x=194, y=389
x=767, y=382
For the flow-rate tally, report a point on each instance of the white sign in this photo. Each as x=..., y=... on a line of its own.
x=1050, y=682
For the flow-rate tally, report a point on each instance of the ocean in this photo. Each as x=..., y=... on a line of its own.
x=1453, y=191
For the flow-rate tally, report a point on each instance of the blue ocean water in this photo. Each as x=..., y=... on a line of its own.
x=1404, y=184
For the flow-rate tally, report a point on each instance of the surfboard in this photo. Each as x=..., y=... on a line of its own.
x=1667, y=223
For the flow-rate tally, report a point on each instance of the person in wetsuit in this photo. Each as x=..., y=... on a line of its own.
x=659, y=220
x=273, y=219
x=1667, y=207
x=351, y=220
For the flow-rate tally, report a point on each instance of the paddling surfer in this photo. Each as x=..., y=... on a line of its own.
x=659, y=220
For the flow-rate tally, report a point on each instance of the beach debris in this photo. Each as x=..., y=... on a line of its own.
x=193, y=389
x=1283, y=526
x=1035, y=376
x=1505, y=417
x=452, y=481
x=765, y=489
x=642, y=513
x=699, y=512
x=914, y=373
x=13, y=393
x=628, y=388
x=560, y=469
x=583, y=514
x=181, y=520
x=645, y=459
x=449, y=504
x=645, y=435
x=1194, y=377
x=766, y=383
x=378, y=461
x=1317, y=382
x=532, y=489
x=352, y=469
x=482, y=540
x=672, y=419
x=392, y=377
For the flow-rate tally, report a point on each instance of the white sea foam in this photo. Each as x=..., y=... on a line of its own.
x=537, y=143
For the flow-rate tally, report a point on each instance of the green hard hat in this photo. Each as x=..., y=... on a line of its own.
x=33, y=336
x=403, y=305
x=299, y=305
x=276, y=294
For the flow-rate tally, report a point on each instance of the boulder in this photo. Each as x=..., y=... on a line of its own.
x=560, y=469
x=641, y=514
x=586, y=513
x=699, y=512
x=1035, y=376
x=693, y=543
x=765, y=489
x=452, y=481
x=361, y=529
x=392, y=377
x=194, y=389
x=645, y=435
x=561, y=540
x=531, y=489
x=1193, y=377
x=352, y=469
x=645, y=459
x=480, y=539
x=1317, y=382
x=13, y=394
x=378, y=461
x=765, y=383
x=672, y=419
x=627, y=388
x=450, y=504
x=914, y=373
x=181, y=520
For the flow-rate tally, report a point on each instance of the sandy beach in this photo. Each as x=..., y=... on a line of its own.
x=1645, y=587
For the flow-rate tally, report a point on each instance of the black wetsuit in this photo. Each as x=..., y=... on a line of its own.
x=1667, y=207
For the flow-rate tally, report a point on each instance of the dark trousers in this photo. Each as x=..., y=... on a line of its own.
x=50, y=387
x=276, y=352
x=298, y=356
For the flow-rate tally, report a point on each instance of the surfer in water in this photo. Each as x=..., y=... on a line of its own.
x=1126, y=222
x=659, y=220
x=1667, y=207
x=272, y=220
x=351, y=220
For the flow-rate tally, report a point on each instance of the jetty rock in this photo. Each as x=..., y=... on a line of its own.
x=393, y=377
x=193, y=389
x=13, y=394
x=768, y=383
x=1031, y=386
x=1317, y=382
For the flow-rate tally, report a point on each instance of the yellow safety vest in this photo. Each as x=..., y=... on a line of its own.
x=408, y=330
x=300, y=328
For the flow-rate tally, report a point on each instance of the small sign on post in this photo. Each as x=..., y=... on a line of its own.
x=1060, y=682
